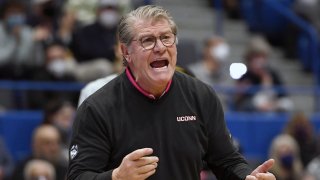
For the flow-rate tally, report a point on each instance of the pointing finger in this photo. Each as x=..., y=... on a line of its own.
x=268, y=176
x=263, y=168
x=249, y=177
x=137, y=154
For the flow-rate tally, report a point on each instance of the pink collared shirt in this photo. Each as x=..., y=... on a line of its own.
x=144, y=92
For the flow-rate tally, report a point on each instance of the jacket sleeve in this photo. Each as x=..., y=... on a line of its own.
x=222, y=157
x=90, y=146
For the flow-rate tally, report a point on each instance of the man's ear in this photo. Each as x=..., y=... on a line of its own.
x=125, y=52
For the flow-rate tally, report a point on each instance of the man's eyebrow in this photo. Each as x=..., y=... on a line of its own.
x=150, y=34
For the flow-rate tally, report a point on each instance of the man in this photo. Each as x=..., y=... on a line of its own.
x=152, y=122
x=45, y=146
x=212, y=68
x=97, y=40
x=39, y=169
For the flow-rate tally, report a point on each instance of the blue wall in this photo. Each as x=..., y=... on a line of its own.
x=254, y=131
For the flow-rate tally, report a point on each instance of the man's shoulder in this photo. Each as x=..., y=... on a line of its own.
x=190, y=81
x=192, y=86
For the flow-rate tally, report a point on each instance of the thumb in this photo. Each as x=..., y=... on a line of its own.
x=263, y=168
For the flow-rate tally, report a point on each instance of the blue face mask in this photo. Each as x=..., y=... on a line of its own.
x=15, y=20
x=287, y=161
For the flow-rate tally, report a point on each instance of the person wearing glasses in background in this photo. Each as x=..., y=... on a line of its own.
x=152, y=122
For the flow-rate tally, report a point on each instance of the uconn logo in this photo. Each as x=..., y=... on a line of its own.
x=186, y=118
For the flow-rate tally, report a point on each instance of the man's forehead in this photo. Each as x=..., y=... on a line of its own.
x=152, y=26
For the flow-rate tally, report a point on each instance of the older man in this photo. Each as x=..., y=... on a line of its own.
x=152, y=122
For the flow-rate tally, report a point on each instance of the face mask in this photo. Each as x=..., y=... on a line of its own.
x=109, y=18
x=220, y=52
x=287, y=161
x=15, y=20
x=57, y=67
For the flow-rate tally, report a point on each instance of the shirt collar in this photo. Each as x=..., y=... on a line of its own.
x=144, y=92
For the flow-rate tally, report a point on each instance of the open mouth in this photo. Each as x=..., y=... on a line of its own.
x=159, y=64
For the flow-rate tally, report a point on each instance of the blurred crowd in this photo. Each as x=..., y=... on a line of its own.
x=75, y=41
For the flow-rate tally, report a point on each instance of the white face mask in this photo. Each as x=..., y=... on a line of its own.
x=58, y=67
x=220, y=52
x=109, y=18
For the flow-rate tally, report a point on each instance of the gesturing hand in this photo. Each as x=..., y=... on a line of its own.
x=261, y=172
x=136, y=165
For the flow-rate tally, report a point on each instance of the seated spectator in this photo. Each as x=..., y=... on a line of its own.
x=285, y=151
x=6, y=162
x=46, y=146
x=43, y=18
x=60, y=114
x=84, y=10
x=97, y=40
x=16, y=38
x=260, y=88
x=212, y=68
x=312, y=170
x=39, y=170
x=301, y=129
x=59, y=64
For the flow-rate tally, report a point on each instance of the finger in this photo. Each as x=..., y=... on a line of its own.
x=249, y=177
x=145, y=169
x=146, y=160
x=265, y=176
x=263, y=168
x=137, y=154
x=148, y=174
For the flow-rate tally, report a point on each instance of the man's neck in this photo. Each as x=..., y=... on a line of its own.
x=153, y=93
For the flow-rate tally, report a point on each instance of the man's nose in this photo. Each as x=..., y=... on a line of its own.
x=159, y=46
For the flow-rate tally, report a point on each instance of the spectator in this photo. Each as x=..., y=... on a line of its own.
x=46, y=146
x=61, y=115
x=84, y=10
x=261, y=88
x=285, y=151
x=312, y=170
x=212, y=68
x=6, y=162
x=59, y=64
x=98, y=39
x=50, y=24
x=39, y=170
x=44, y=17
x=301, y=129
x=16, y=42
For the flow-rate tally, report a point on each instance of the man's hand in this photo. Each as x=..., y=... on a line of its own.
x=136, y=165
x=261, y=172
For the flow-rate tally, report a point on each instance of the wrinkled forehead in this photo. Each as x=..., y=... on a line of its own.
x=154, y=26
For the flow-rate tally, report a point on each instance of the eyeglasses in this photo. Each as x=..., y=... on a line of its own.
x=149, y=42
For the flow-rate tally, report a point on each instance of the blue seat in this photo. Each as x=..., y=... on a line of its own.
x=16, y=129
